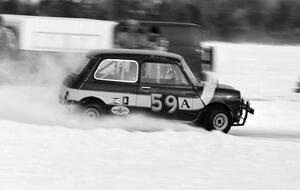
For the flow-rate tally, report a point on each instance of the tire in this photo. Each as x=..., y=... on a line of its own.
x=219, y=119
x=92, y=111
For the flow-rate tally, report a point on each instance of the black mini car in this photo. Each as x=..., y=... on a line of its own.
x=122, y=81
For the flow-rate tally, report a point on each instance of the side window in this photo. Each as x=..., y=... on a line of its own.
x=117, y=70
x=162, y=73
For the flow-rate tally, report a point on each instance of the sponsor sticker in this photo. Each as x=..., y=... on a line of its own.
x=114, y=101
x=120, y=110
x=125, y=100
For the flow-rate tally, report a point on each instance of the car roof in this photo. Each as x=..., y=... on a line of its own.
x=134, y=52
x=162, y=23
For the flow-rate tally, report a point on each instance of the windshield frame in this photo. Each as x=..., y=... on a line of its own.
x=190, y=74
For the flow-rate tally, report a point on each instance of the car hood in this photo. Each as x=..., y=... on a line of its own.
x=217, y=85
x=225, y=87
x=214, y=92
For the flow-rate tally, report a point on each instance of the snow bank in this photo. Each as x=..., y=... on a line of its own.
x=43, y=157
x=43, y=147
x=259, y=71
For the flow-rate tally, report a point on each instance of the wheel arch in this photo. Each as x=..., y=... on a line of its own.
x=220, y=105
x=208, y=108
x=92, y=99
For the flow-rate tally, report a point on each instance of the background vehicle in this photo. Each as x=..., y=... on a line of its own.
x=185, y=40
x=297, y=90
x=39, y=34
x=158, y=83
x=56, y=34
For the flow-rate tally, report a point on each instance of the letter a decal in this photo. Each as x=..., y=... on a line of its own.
x=185, y=104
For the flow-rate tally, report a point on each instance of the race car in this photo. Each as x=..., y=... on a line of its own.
x=122, y=82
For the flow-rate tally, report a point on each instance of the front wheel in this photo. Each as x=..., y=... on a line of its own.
x=219, y=119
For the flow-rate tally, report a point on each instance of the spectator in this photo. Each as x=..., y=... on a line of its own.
x=130, y=35
x=156, y=41
x=121, y=36
x=8, y=41
x=141, y=38
x=3, y=39
x=133, y=27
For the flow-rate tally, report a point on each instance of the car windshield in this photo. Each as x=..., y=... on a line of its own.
x=190, y=73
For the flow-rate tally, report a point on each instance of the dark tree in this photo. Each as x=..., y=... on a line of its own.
x=281, y=16
x=10, y=7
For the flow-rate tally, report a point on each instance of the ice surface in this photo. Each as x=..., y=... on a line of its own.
x=44, y=147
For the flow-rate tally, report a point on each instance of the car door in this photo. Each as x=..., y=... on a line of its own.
x=165, y=91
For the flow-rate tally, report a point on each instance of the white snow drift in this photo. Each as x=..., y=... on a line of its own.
x=44, y=147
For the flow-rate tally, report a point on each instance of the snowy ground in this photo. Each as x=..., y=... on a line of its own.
x=42, y=147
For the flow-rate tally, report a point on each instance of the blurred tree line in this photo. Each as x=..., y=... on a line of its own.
x=220, y=19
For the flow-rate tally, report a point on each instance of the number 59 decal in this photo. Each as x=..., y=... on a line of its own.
x=157, y=103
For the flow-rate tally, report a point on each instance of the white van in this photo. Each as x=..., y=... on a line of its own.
x=53, y=34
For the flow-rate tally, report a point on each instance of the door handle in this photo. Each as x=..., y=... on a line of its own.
x=190, y=94
x=146, y=87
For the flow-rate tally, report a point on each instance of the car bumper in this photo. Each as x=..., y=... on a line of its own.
x=245, y=110
x=68, y=104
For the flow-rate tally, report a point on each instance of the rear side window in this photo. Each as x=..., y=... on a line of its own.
x=119, y=70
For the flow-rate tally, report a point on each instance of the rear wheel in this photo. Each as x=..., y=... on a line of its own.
x=92, y=111
x=219, y=119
